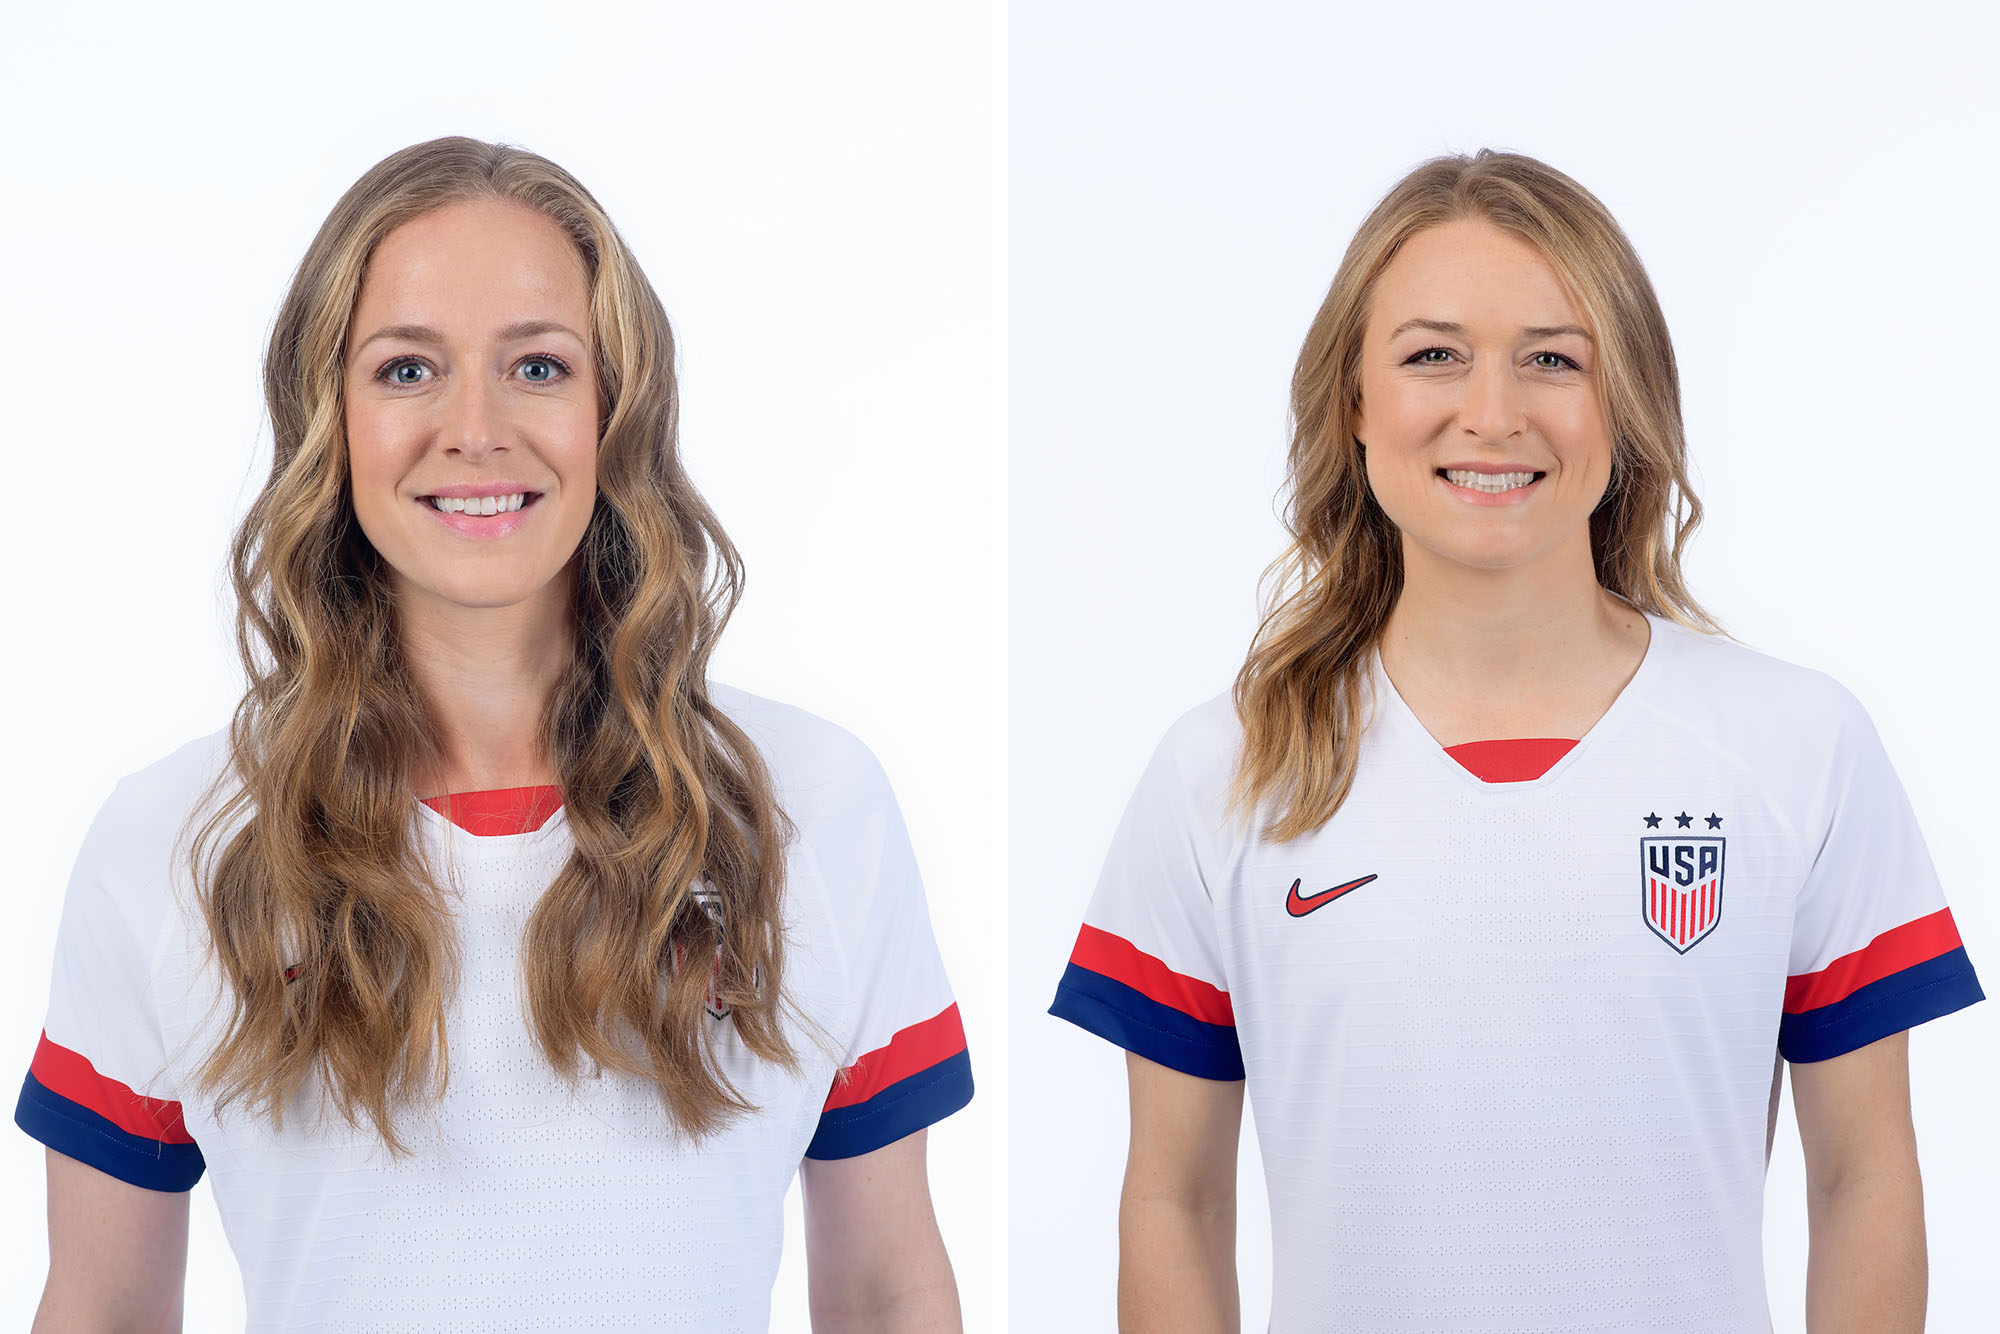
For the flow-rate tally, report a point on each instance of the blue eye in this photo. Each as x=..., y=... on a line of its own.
x=543, y=369
x=403, y=371
x=408, y=372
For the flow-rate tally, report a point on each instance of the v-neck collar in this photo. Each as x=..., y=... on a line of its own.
x=497, y=812
x=1511, y=759
x=1391, y=708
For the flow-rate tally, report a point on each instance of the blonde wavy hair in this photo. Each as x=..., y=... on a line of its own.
x=337, y=947
x=1300, y=693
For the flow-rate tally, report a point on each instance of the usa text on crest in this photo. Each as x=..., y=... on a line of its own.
x=1680, y=883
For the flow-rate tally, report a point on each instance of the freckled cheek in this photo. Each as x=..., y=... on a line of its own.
x=379, y=457
x=1399, y=428
x=1405, y=415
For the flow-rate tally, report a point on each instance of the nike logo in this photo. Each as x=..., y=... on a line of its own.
x=1298, y=905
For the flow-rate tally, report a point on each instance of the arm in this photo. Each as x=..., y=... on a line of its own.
x=117, y=1254
x=874, y=1259
x=1177, y=1216
x=1866, y=1270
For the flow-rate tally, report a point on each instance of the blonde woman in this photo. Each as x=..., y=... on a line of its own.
x=1503, y=882
x=498, y=967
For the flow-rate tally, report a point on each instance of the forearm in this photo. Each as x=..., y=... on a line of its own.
x=1177, y=1267
x=1867, y=1272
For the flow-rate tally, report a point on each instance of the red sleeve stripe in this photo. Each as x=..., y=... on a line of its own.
x=912, y=1051
x=1122, y=961
x=70, y=1075
x=1894, y=950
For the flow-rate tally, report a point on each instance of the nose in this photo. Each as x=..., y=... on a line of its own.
x=471, y=427
x=1493, y=408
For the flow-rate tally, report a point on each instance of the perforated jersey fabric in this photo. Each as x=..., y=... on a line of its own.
x=527, y=1203
x=1516, y=1074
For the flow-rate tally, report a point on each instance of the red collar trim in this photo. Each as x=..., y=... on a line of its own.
x=1510, y=761
x=500, y=810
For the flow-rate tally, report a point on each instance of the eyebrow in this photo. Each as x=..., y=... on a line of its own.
x=423, y=333
x=1530, y=331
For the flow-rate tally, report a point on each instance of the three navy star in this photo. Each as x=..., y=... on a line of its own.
x=1684, y=820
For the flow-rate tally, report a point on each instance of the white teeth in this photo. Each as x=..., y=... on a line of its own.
x=479, y=504
x=1490, y=482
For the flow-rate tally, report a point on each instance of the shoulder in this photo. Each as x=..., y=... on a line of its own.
x=1187, y=781
x=164, y=794
x=1207, y=736
x=133, y=854
x=1196, y=755
x=148, y=809
x=850, y=870
x=1751, y=690
x=1796, y=732
x=819, y=768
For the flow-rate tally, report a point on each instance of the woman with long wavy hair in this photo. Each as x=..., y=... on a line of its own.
x=499, y=967
x=1503, y=880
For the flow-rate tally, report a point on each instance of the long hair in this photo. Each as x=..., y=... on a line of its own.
x=335, y=943
x=1300, y=693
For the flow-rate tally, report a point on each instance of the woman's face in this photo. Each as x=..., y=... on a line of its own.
x=1483, y=428
x=471, y=405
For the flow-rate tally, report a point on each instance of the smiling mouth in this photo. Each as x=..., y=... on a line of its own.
x=480, y=506
x=1492, y=483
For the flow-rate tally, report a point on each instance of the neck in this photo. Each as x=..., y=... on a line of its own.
x=486, y=675
x=1539, y=649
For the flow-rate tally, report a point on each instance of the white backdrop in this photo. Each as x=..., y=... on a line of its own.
x=1813, y=193
x=810, y=191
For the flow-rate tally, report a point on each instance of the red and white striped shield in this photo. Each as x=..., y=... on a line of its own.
x=1681, y=888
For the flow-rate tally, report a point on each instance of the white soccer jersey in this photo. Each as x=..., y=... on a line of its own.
x=527, y=1203
x=1510, y=1046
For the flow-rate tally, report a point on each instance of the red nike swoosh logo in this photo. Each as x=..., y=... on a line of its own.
x=1299, y=906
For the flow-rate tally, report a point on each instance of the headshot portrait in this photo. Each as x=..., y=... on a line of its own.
x=1510, y=788
x=497, y=860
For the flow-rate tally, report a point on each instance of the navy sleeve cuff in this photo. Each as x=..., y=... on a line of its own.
x=902, y=1109
x=1891, y=1004
x=1145, y=1027
x=77, y=1132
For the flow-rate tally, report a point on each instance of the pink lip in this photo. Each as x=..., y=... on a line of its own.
x=1488, y=468
x=482, y=525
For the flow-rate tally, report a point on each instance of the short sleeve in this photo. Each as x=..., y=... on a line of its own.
x=97, y=1089
x=1147, y=970
x=906, y=1065
x=1874, y=949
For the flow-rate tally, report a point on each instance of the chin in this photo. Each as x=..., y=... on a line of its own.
x=486, y=593
x=1505, y=555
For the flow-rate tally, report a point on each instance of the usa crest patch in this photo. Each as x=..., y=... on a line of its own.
x=1681, y=887
x=709, y=899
